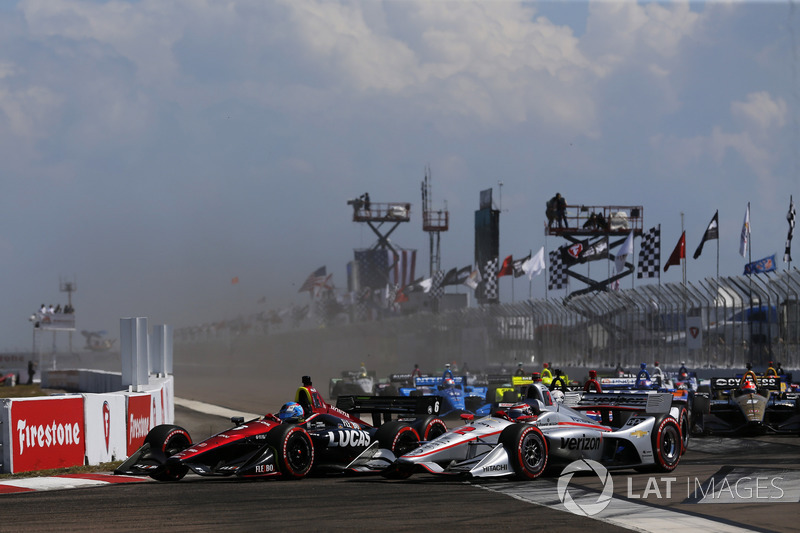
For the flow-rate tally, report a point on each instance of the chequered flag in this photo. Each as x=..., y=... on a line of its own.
x=650, y=254
x=437, y=290
x=489, y=283
x=557, y=271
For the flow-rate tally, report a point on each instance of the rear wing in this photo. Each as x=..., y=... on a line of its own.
x=435, y=382
x=628, y=382
x=653, y=403
x=355, y=374
x=762, y=382
x=399, y=405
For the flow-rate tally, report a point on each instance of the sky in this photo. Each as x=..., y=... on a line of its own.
x=153, y=150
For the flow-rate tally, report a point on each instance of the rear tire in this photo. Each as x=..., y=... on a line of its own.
x=294, y=451
x=398, y=437
x=429, y=427
x=667, y=444
x=168, y=439
x=685, y=427
x=527, y=450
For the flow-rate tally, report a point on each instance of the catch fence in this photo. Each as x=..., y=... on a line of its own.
x=715, y=322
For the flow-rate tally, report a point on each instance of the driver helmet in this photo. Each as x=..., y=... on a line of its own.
x=521, y=409
x=291, y=412
x=557, y=395
x=749, y=386
x=449, y=383
x=644, y=383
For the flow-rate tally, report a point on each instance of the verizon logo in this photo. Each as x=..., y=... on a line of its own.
x=45, y=436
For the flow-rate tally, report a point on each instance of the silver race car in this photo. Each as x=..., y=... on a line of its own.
x=524, y=439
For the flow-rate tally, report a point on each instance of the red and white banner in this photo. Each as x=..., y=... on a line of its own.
x=64, y=431
x=46, y=433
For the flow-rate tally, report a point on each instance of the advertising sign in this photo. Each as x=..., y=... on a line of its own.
x=140, y=420
x=47, y=433
x=105, y=427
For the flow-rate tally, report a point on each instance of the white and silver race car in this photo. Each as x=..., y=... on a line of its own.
x=524, y=439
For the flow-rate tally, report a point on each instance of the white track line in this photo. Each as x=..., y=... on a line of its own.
x=210, y=409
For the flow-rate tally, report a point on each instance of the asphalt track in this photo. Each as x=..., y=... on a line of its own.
x=756, y=488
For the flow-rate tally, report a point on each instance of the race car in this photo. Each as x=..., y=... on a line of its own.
x=682, y=398
x=307, y=435
x=746, y=405
x=527, y=438
x=352, y=382
x=457, y=396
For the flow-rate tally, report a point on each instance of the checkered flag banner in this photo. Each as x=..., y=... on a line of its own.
x=437, y=290
x=650, y=254
x=790, y=216
x=489, y=282
x=557, y=270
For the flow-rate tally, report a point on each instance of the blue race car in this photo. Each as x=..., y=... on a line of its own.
x=457, y=396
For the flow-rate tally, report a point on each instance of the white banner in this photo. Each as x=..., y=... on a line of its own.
x=104, y=416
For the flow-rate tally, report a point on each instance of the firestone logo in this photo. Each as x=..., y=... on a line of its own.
x=138, y=427
x=585, y=509
x=46, y=436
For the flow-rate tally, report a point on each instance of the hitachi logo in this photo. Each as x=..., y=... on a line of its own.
x=495, y=468
x=48, y=435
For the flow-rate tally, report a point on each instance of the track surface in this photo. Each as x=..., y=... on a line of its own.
x=769, y=467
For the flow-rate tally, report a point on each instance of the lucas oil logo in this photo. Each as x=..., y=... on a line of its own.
x=345, y=438
x=580, y=443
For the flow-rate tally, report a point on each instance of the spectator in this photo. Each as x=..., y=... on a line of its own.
x=561, y=210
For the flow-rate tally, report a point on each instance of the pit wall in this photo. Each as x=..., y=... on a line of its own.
x=81, y=429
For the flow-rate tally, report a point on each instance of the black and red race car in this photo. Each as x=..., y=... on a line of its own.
x=323, y=438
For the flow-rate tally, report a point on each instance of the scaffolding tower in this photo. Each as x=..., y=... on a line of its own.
x=434, y=222
x=586, y=226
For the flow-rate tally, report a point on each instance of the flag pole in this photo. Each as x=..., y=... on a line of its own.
x=718, y=239
x=684, y=254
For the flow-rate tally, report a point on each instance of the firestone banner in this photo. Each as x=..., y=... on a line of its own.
x=141, y=419
x=47, y=434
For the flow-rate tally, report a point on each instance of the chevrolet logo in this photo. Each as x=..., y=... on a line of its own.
x=640, y=433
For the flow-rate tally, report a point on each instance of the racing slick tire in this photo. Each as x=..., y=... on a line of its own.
x=169, y=440
x=667, y=444
x=429, y=427
x=526, y=448
x=294, y=451
x=398, y=437
x=685, y=427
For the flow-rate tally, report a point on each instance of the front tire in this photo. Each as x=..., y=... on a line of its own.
x=667, y=444
x=398, y=437
x=294, y=451
x=526, y=448
x=168, y=440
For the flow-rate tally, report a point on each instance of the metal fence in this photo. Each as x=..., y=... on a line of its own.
x=715, y=322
